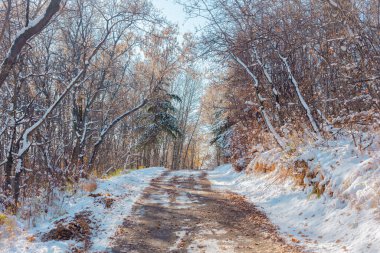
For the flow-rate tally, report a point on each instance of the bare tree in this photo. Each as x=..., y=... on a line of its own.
x=33, y=28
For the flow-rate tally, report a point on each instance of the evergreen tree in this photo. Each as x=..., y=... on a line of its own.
x=159, y=118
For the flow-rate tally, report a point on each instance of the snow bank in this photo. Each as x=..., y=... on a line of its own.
x=125, y=189
x=325, y=224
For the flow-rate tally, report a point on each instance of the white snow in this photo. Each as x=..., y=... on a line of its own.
x=325, y=224
x=125, y=189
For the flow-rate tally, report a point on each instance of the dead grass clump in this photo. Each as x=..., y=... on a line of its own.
x=78, y=229
x=95, y=195
x=3, y=219
x=108, y=202
x=264, y=168
x=318, y=190
x=375, y=198
x=295, y=240
x=104, y=199
x=89, y=185
x=8, y=225
x=61, y=232
x=31, y=238
x=240, y=201
x=300, y=170
x=283, y=174
x=238, y=167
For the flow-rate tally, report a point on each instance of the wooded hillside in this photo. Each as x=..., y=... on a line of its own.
x=296, y=72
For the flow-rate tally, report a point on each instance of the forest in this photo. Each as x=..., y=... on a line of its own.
x=90, y=87
x=295, y=72
x=93, y=88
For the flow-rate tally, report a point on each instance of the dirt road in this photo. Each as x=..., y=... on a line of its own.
x=180, y=212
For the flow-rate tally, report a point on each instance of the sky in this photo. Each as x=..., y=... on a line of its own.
x=174, y=13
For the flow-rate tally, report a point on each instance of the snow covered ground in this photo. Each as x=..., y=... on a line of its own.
x=125, y=189
x=346, y=221
x=325, y=224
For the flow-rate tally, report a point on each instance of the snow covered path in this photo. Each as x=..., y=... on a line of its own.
x=179, y=212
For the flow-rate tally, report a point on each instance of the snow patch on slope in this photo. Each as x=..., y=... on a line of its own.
x=325, y=224
x=126, y=189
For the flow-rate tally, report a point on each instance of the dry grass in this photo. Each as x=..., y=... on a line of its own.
x=264, y=168
x=113, y=173
x=89, y=185
x=3, y=219
x=375, y=199
x=283, y=174
x=8, y=226
x=297, y=172
x=31, y=238
x=300, y=170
